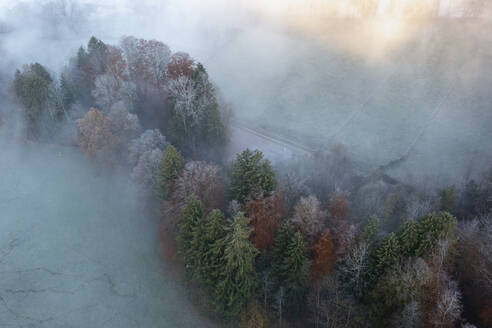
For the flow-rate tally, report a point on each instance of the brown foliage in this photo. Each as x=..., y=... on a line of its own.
x=338, y=207
x=324, y=256
x=115, y=64
x=95, y=138
x=181, y=65
x=265, y=215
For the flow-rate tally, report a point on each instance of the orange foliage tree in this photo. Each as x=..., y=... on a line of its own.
x=265, y=215
x=95, y=138
x=324, y=255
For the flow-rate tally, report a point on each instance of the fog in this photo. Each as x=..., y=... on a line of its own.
x=411, y=90
x=386, y=89
x=83, y=253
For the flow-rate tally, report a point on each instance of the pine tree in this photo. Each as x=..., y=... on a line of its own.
x=170, y=168
x=296, y=268
x=238, y=280
x=192, y=215
x=251, y=174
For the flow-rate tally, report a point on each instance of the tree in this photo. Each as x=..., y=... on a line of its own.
x=195, y=120
x=147, y=141
x=251, y=174
x=32, y=87
x=285, y=234
x=332, y=307
x=448, y=199
x=213, y=257
x=147, y=61
x=193, y=214
x=123, y=125
x=355, y=270
x=338, y=207
x=170, y=168
x=265, y=215
x=238, y=279
x=371, y=232
x=387, y=254
x=254, y=317
x=295, y=273
x=95, y=137
x=408, y=237
x=145, y=172
x=202, y=180
x=180, y=65
x=309, y=217
x=433, y=228
x=323, y=256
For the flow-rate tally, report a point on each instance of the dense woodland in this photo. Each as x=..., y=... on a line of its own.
x=309, y=243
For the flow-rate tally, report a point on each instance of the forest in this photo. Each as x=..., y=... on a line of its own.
x=310, y=242
x=281, y=163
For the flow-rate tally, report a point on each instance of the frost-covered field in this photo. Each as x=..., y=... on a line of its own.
x=76, y=248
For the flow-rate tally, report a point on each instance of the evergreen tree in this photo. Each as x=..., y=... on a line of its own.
x=408, y=237
x=215, y=231
x=67, y=92
x=432, y=228
x=387, y=254
x=251, y=174
x=371, y=232
x=448, y=199
x=295, y=270
x=32, y=88
x=238, y=280
x=285, y=234
x=170, y=168
x=192, y=217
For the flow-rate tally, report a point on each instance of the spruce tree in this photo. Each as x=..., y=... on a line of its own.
x=251, y=174
x=170, y=167
x=408, y=238
x=215, y=231
x=370, y=234
x=432, y=228
x=238, y=280
x=192, y=215
x=284, y=236
x=387, y=254
x=295, y=270
x=448, y=199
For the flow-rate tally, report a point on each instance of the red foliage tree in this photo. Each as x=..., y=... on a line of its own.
x=265, y=215
x=324, y=256
x=180, y=65
x=344, y=230
x=339, y=207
